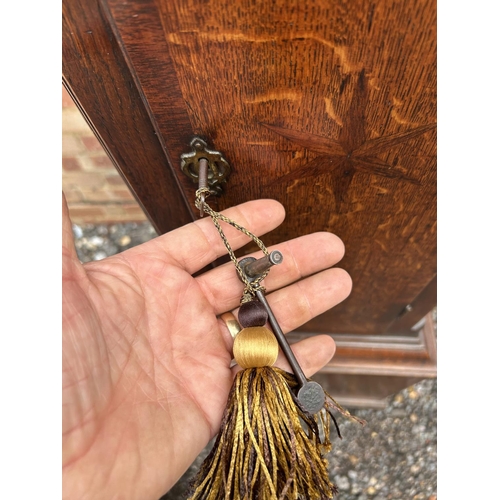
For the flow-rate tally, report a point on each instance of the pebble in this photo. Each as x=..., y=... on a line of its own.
x=399, y=398
x=412, y=393
x=125, y=240
x=77, y=231
x=343, y=483
x=355, y=490
x=100, y=255
x=96, y=241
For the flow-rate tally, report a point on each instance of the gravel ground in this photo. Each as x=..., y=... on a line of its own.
x=392, y=457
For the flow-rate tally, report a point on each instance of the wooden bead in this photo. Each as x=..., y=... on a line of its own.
x=252, y=313
x=255, y=347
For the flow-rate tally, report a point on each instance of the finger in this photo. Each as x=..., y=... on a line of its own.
x=312, y=354
x=301, y=257
x=196, y=245
x=296, y=304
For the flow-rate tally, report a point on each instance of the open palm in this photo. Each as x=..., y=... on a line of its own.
x=146, y=361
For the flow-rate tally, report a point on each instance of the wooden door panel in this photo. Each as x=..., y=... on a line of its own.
x=328, y=107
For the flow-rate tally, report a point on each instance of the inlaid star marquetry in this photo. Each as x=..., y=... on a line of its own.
x=352, y=152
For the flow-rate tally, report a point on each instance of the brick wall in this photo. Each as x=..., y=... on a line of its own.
x=94, y=190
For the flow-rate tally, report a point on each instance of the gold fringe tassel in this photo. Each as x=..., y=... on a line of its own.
x=267, y=447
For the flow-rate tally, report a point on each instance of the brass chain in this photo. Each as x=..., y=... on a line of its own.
x=251, y=287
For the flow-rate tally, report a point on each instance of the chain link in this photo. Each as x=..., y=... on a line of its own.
x=251, y=287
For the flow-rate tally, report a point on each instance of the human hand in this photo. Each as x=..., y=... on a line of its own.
x=146, y=361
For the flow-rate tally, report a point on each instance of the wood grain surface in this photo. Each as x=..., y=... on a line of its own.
x=97, y=75
x=328, y=107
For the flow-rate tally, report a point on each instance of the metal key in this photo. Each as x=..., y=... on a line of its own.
x=311, y=395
